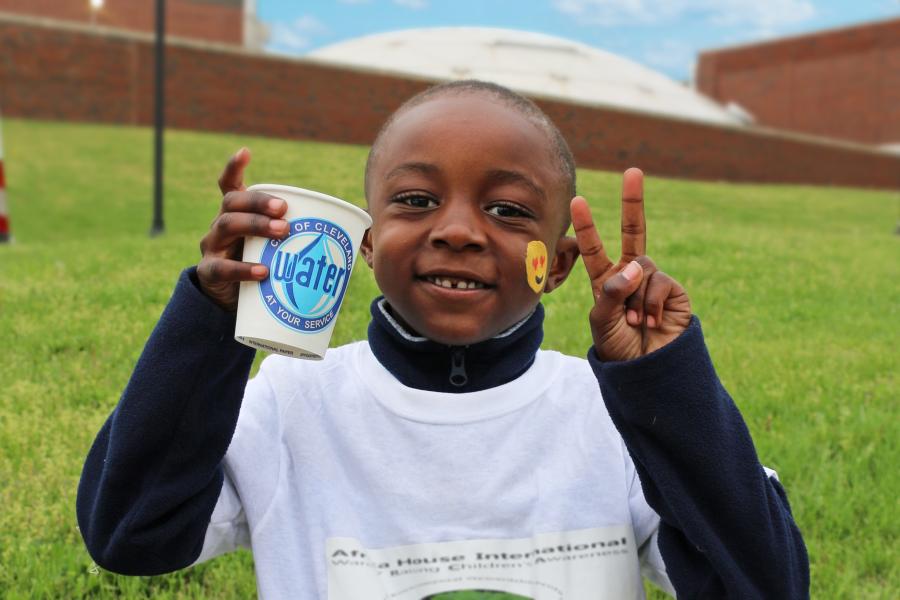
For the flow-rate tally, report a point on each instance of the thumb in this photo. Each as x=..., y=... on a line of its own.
x=617, y=288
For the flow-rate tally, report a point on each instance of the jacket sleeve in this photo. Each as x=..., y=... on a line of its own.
x=726, y=528
x=154, y=473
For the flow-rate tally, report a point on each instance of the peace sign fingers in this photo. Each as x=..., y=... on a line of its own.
x=590, y=245
x=637, y=308
x=634, y=227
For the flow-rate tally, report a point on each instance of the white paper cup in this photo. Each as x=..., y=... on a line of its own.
x=293, y=311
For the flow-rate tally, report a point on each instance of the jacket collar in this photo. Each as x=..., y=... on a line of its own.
x=424, y=364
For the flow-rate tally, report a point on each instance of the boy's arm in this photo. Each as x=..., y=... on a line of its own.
x=726, y=528
x=721, y=515
x=153, y=475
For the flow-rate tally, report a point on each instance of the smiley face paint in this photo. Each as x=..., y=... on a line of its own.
x=536, y=265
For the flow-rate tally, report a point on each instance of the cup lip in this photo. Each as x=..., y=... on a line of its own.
x=278, y=187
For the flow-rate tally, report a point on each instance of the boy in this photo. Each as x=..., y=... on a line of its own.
x=446, y=453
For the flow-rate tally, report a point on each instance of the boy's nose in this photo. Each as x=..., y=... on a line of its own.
x=458, y=227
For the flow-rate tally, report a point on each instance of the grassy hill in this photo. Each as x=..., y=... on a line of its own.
x=796, y=287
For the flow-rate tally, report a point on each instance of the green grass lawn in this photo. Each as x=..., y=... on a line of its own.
x=797, y=288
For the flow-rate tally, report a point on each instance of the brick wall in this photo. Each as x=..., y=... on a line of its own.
x=71, y=73
x=219, y=21
x=843, y=83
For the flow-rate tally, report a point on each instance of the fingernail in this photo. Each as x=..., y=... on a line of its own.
x=276, y=203
x=651, y=321
x=258, y=271
x=631, y=317
x=632, y=271
x=277, y=226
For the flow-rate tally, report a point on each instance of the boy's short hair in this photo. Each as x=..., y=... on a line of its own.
x=518, y=102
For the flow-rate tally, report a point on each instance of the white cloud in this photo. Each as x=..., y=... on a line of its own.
x=616, y=12
x=296, y=35
x=766, y=15
x=761, y=14
x=413, y=4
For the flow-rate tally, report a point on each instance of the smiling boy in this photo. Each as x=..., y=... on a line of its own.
x=442, y=210
x=446, y=452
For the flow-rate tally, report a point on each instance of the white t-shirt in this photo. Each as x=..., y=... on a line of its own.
x=346, y=484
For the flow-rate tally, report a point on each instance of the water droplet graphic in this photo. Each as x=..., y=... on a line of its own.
x=307, y=276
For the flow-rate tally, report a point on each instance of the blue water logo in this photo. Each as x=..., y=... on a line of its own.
x=308, y=274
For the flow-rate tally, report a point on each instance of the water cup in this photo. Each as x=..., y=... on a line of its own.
x=293, y=311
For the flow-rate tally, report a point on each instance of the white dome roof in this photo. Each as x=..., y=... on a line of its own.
x=532, y=63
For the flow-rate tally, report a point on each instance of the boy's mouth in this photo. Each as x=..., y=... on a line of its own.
x=454, y=283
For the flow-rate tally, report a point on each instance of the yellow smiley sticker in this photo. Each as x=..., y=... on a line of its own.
x=536, y=265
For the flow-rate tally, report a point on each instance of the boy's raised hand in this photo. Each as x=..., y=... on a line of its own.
x=242, y=213
x=637, y=307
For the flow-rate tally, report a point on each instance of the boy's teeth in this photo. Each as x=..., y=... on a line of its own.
x=459, y=284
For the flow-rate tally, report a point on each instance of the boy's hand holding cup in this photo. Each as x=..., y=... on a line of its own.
x=243, y=213
x=297, y=257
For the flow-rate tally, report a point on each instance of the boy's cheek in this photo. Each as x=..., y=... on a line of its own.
x=536, y=264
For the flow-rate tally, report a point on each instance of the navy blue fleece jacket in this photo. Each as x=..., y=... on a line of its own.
x=153, y=474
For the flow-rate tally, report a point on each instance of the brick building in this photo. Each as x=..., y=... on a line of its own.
x=71, y=70
x=221, y=21
x=842, y=83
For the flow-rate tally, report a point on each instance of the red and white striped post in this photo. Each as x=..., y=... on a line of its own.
x=4, y=214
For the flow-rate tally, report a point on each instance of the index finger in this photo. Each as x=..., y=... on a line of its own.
x=590, y=245
x=634, y=228
x=232, y=178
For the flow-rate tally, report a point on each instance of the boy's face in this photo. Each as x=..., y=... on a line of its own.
x=459, y=187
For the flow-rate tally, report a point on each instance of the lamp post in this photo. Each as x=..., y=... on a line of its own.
x=159, y=122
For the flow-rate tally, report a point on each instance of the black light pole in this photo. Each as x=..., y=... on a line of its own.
x=158, y=227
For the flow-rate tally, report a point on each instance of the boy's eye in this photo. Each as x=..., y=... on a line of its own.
x=507, y=210
x=416, y=200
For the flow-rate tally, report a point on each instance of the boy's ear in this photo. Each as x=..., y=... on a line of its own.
x=563, y=261
x=366, y=247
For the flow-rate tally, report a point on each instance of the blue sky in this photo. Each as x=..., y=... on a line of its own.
x=662, y=34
